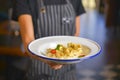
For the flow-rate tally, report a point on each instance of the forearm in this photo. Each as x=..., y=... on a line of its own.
x=77, y=25
x=26, y=29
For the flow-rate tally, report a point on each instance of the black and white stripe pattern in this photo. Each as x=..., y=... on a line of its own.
x=56, y=20
x=41, y=71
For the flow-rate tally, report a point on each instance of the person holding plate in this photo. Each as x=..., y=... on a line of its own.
x=42, y=18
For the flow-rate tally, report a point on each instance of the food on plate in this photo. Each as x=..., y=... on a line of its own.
x=71, y=50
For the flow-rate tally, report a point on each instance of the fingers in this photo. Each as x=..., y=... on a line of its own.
x=54, y=65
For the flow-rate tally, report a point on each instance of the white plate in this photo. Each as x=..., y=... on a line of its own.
x=39, y=46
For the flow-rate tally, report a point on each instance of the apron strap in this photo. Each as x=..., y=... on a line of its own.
x=38, y=19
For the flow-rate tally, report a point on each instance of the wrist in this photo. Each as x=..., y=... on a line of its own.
x=76, y=34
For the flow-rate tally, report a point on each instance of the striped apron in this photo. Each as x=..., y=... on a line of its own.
x=56, y=19
x=53, y=20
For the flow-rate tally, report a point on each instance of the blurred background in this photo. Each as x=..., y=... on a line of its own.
x=100, y=23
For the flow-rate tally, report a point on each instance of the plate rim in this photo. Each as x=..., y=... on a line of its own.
x=65, y=60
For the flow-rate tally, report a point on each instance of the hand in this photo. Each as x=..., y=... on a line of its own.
x=53, y=65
